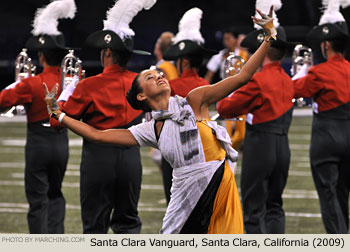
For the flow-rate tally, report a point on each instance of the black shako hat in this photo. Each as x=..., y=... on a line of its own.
x=329, y=31
x=253, y=39
x=40, y=42
x=109, y=39
x=116, y=33
x=186, y=47
x=188, y=40
x=45, y=32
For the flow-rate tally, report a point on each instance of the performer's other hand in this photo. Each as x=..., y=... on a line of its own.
x=51, y=102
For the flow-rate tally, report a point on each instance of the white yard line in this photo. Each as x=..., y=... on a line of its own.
x=300, y=147
x=75, y=172
x=72, y=184
x=299, y=173
x=22, y=208
x=297, y=158
x=22, y=141
x=306, y=215
x=298, y=128
x=288, y=193
x=12, y=165
x=295, y=136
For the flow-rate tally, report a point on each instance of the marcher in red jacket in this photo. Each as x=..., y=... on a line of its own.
x=188, y=80
x=328, y=83
x=267, y=101
x=46, y=150
x=110, y=176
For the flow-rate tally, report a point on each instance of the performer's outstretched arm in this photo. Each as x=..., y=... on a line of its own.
x=111, y=136
x=201, y=97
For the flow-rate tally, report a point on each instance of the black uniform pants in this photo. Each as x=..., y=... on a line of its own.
x=265, y=166
x=46, y=156
x=110, y=184
x=330, y=165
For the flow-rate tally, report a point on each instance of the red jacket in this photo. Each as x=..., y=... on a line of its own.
x=267, y=96
x=30, y=92
x=100, y=100
x=328, y=83
x=188, y=80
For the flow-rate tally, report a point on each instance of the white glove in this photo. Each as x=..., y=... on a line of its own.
x=68, y=91
x=302, y=72
x=50, y=99
x=12, y=85
x=266, y=22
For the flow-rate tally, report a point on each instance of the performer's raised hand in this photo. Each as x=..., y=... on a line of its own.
x=266, y=22
x=51, y=102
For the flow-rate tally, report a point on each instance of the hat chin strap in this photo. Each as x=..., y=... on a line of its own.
x=102, y=59
x=181, y=69
x=324, y=51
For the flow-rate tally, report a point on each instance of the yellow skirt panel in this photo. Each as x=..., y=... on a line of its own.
x=227, y=212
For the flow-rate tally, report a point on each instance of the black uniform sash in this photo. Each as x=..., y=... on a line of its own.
x=339, y=113
x=43, y=127
x=279, y=126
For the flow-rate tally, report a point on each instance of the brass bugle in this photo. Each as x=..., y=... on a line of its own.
x=71, y=66
x=301, y=55
x=23, y=69
x=23, y=66
x=233, y=65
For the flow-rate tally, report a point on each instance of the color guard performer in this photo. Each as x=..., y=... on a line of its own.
x=267, y=101
x=328, y=83
x=188, y=52
x=110, y=176
x=46, y=151
x=204, y=198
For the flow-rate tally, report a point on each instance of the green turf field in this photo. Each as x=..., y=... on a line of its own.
x=300, y=198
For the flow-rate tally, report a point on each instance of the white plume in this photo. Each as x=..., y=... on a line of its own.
x=331, y=13
x=121, y=14
x=46, y=18
x=264, y=6
x=189, y=26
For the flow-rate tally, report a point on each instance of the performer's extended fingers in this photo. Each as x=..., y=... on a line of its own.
x=255, y=20
x=271, y=11
x=46, y=89
x=260, y=13
x=54, y=89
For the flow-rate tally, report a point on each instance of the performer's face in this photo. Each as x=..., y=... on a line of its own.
x=229, y=41
x=153, y=83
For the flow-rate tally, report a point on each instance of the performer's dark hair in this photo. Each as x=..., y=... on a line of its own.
x=194, y=59
x=339, y=45
x=131, y=96
x=276, y=53
x=54, y=57
x=120, y=57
